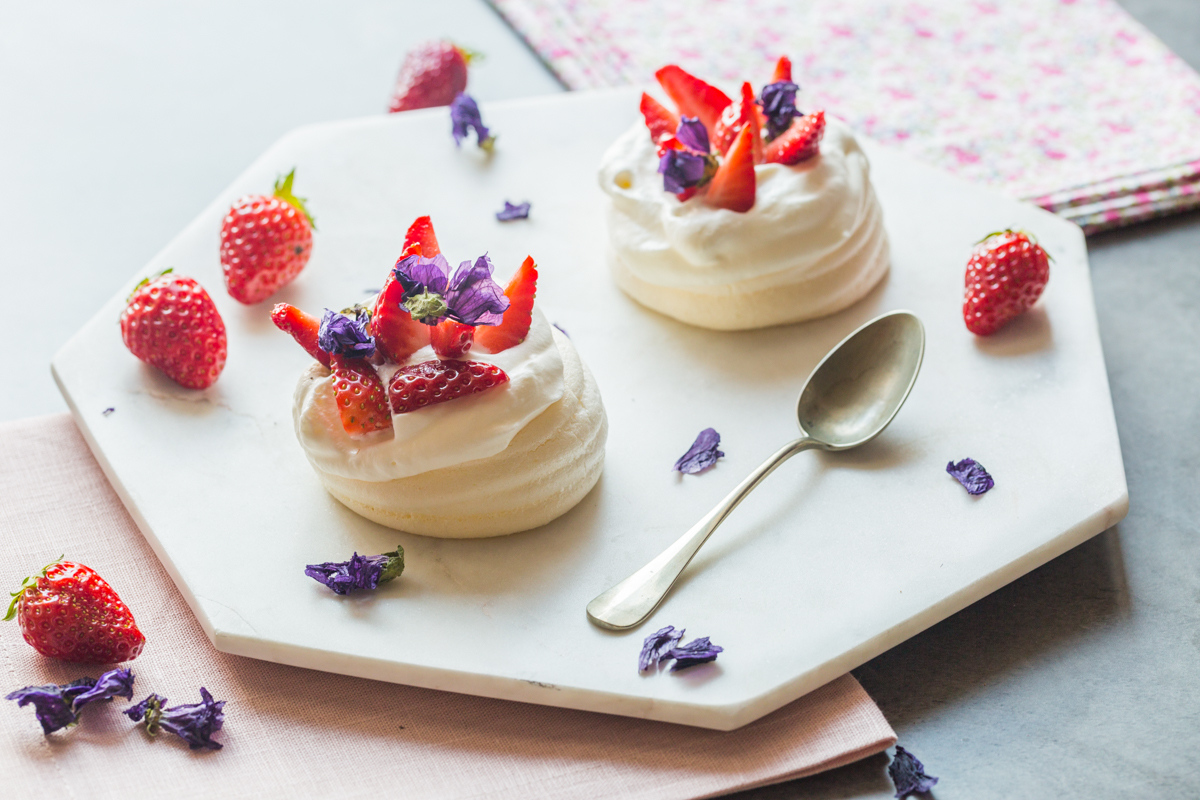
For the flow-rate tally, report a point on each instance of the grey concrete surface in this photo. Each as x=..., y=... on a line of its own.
x=1080, y=680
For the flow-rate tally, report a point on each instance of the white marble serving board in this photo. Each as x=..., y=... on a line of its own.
x=834, y=559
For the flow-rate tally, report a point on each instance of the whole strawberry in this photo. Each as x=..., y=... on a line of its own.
x=1005, y=276
x=265, y=242
x=70, y=612
x=171, y=323
x=432, y=75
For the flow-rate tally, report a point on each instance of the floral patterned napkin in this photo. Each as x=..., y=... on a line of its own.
x=1069, y=104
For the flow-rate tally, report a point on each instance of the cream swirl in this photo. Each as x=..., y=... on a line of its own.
x=443, y=435
x=815, y=225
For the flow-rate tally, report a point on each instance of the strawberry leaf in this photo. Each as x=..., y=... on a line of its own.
x=283, y=190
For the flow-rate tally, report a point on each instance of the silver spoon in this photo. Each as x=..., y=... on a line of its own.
x=848, y=400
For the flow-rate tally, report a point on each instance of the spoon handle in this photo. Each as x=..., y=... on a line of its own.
x=627, y=604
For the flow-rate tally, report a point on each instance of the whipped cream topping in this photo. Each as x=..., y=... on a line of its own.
x=438, y=436
x=808, y=219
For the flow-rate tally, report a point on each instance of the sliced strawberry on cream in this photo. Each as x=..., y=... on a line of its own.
x=661, y=121
x=800, y=142
x=397, y=334
x=741, y=114
x=452, y=339
x=361, y=399
x=733, y=187
x=512, y=331
x=693, y=97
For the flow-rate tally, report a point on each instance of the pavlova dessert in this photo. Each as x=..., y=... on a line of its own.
x=741, y=213
x=447, y=407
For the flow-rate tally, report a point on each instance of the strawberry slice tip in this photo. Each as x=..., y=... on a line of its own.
x=421, y=232
x=300, y=326
x=513, y=329
x=693, y=97
x=661, y=121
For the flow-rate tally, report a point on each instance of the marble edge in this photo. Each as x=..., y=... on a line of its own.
x=123, y=494
x=228, y=632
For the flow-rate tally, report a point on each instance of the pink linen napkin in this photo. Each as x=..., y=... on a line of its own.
x=299, y=733
x=1070, y=104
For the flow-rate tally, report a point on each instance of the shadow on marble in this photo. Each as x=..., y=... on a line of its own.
x=1029, y=333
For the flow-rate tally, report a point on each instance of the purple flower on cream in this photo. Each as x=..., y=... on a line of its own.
x=346, y=336
x=692, y=166
x=511, y=211
x=465, y=117
x=681, y=170
x=360, y=572
x=58, y=706
x=702, y=454
x=692, y=134
x=195, y=723
x=697, y=651
x=657, y=645
x=971, y=474
x=431, y=295
x=778, y=102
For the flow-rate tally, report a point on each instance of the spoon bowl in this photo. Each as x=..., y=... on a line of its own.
x=851, y=396
x=859, y=386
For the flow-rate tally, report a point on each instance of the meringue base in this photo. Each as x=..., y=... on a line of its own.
x=550, y=465
x=737, y=307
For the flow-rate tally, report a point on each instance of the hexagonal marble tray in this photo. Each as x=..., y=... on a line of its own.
x=833, y=560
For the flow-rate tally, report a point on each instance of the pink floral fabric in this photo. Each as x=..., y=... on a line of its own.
x=1070, y=104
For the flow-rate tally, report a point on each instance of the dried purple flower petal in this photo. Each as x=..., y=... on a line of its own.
x=778, y=102
x=195, y=723
x=908, y=774
x=971, y=474
x=107, y=411
x=343, y=335
x=692, y=134
x=657, y=645
x=702, y=454
x=360, y=572
x=561, y=329
x=52, y=703
x=58, y=706
x=697, y=651
x=464, y=115
x=473, y=297
x=511, y=212
x=114, y=683
x=470, y=297
x=681, y=170
x=418, y=274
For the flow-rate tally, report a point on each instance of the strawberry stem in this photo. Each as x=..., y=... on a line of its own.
x=25, y=584
x=283, y=190
x=470, y=56
x=145, y=281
